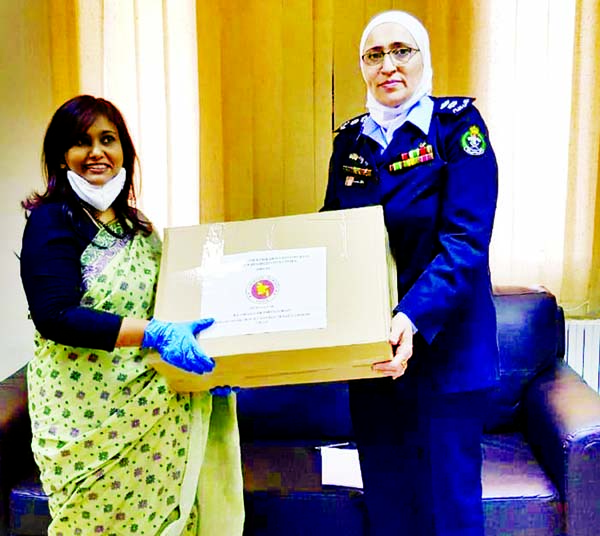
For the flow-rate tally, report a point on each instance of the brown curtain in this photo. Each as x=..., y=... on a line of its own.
x=64, y=49
x=265, y=102
x=581, y=282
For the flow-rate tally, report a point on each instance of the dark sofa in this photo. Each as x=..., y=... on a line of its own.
x=541, y=453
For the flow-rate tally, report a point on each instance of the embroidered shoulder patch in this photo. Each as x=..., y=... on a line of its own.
x=473, y=142
x=351, y=122
x=454, y=105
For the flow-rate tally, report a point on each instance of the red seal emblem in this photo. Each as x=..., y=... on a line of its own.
x=262, y=289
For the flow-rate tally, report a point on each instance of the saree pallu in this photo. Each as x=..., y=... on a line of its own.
x=119, y=452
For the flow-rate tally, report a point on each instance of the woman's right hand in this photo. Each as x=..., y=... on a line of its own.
x=401, y=339
x=177, y=345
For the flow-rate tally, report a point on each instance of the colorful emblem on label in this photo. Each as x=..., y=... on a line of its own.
x=263, y=289
x=423, y=153
x=473, y=142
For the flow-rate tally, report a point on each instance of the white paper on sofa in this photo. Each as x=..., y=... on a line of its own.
x=340, y=467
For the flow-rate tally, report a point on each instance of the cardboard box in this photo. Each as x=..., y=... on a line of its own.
x=297, y=299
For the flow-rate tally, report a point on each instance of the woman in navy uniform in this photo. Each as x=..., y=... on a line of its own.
x=428, y=161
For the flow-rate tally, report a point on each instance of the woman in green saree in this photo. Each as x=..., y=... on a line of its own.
x=119, y=452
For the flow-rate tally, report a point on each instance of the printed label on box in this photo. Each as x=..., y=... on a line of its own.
x=265, y=291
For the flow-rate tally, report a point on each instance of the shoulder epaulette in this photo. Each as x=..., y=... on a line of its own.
x=453, y=105
x=351, y=122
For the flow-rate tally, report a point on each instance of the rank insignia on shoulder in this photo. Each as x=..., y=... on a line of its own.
x=454, y=105
x=473, y=141
x=351, y=122
x=423, y=153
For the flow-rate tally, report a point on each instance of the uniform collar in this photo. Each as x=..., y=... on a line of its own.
x=419, y=115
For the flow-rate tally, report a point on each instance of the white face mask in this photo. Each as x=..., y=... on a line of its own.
x=99, y=196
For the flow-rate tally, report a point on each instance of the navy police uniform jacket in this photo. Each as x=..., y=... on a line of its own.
x=438, y=191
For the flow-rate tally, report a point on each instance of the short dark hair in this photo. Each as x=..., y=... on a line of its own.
x=66, y=127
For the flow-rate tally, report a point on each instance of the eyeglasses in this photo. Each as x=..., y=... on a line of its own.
x=400, y=55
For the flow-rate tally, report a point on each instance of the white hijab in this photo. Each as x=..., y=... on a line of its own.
x=383, y=115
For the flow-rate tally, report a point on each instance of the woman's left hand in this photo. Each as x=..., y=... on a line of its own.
x=401, y=338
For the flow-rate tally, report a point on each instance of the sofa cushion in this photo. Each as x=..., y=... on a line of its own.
x=29, y=514
x=530, y=339
x=284, y=494
x=518, y=497
x=334, y=512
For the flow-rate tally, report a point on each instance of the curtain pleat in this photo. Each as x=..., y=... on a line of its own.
x=581, y=281
x=64, y=50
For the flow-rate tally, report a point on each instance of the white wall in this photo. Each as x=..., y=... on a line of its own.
x=26, y=107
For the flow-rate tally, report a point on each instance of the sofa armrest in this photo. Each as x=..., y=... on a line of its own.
x=561, y=415
x=15, y=440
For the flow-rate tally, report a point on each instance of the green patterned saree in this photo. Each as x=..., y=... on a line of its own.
x=119, y=452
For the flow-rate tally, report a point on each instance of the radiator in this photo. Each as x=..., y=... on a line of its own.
x=582, y=350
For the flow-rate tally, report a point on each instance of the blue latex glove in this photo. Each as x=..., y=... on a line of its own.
x=176, y=343
x=224, y=390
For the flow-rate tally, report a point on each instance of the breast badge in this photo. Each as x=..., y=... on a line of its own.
x=364, y=172
x=423, y=153
x=359, y=171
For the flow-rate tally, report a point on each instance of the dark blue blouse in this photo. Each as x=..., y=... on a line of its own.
x=55, y=236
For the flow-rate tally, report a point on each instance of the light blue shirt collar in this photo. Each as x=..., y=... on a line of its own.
x=419, y=115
